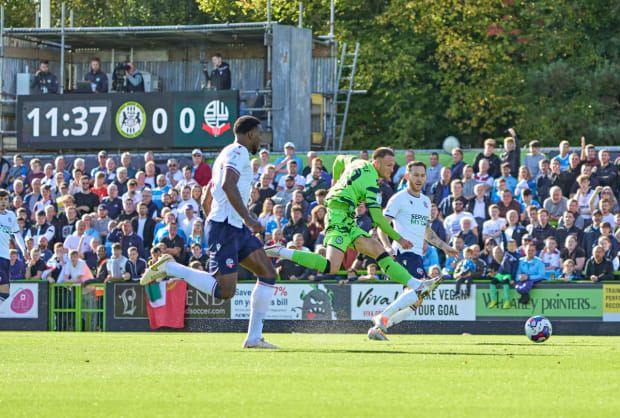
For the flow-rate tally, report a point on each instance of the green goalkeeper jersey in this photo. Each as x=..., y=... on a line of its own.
x=357, y=182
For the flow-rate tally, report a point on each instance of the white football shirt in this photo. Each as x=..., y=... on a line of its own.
x=492, y=227
x=8, y=226
x=236, y=158
x=411, y=215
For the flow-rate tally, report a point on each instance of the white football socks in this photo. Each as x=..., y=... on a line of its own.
x=400, y=316
x=286, y=253
x=403, y=301
x=201, y=280
x=259, y=302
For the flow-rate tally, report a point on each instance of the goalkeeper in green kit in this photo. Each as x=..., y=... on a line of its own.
x=355, y=182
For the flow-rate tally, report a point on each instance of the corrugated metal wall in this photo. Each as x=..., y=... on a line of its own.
x=323, y=75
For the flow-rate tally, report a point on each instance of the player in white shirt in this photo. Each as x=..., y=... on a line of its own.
x=410, y=211
x=229, y=234
x=8, y=228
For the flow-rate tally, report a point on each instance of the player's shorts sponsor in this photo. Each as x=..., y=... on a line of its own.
x=23, y=301
x=368, y=300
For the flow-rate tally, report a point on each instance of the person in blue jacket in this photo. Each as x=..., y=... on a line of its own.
x=531, y=270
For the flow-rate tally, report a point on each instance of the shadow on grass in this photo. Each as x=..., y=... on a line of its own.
x=438, y=353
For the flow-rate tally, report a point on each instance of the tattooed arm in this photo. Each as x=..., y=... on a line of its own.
x=432, y=238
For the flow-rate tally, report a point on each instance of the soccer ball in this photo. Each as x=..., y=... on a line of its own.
x=450, y=143
x=538, y=329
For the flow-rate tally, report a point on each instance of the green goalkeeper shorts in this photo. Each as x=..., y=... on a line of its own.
x=341, y=229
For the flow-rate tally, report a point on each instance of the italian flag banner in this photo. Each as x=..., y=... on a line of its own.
x=166, y=303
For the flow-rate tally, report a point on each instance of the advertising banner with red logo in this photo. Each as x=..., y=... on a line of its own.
x=296, y=302
x=23, y=301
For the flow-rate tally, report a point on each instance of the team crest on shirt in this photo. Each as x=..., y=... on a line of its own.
x=230, y=263
x=425, y=205
x=420, y=271
x=338, y=240
x=218, y=246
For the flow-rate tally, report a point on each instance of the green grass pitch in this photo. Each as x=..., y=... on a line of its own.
x=194, y=374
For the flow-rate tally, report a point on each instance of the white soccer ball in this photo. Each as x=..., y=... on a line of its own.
x=450, y=143
x=538, y=329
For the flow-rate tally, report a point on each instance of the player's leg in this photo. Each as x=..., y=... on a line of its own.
x=260, y=301
x=493, y=292
x=4, y=280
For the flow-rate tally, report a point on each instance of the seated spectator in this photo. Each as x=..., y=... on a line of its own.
x=35, y=266
x=101, y=221
x=297, y=200
x=599, y=268
x=187, y=223
x=173, y=243
x=452, y=223
x=555, y=204
x=487, y=252
x=263, y=154
x=75, y=271
x=161, y=189
x=116, y=264
x=582, y=196
x=111, y=170
x=313, y=184
x=100, y=188
x=297, y=225
x=483, y=176
x=174, y=175
x=196, y=235
x=120, y=181
x=152, y=210
x=441, y=189
x=265, y=188
x=500, y=184
x=126, y=163
x=317, y=162
x=505, y=275
x=267, y=213
x=468, y=182
x=527, y=199
x=132, y=191
x=492, y=159
x=17, y=268
x=608, y=249
x=199, y=254
x=604, y=204
x=283, y=197
x=544, y=181
x=479, y=205
x=507, y=203
x=511, y=182
x=450, y=264
x=187, y=179
x=281, y=162
x=135, y=266
x=551, y=259
x=85, y=199
x=531, y=270
x=112, y=203
x=129, y=210
x=592, y=233
x=201, y=170
x=532, y=159
x=569, y=272
x=317, y=224
x=34, y=196
x=433, y=171
x=480, y=271
x=573, y=252
x=291, y=168
x=363, y=219
x=429, y=255
x=525, y=181
x=512, y=230
x=529, y=218
x=278, y=221
x=494, y=226
x=463, y=273
x=130, y=239
x=567, y=228
x=41, y=229
x=78, y=240
x=319, y=196
x=458, y=164
x=46, y=253
x=606, y=173
x=436, y=224
x=541, y=231
x=17, y=172
x=456, y=191
x=563, y=156
x=467, y=233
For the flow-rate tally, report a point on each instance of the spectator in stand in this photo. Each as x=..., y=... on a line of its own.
x=187, y=223
x=501, y=186
x=527, y=199
x=582, y=196
x=292, y=171
x=85, y=199
x=542, y=230
x=505, y=275
x=255, y=205
x=202, y=171
x=400, y=174
x=488, y=154
x=433, y=171
x=44, y=81
x=569, y=272
x=35, y=172
x=507, y=203
x=511, y=182
x=318, y=162
x=174, y=175
x=121, y=180
x=100, y=188
x=115, y=265
x=452, y=223
x=599, y=268
x=126, y=163
x=198, y=254
x=317, y=224
x=592, y=232
x=479, y=205
x=297, y=225
x=112, y=203
x=264, y=188
x=319, y=197
x=567, y=228
x=135, y=266
x=59, y=167
x=456, y=191
x=512, y=230
x=363, y=219
x=41, y=229
x=436, y=224
x=588, y=154
x=48, y=172
x=78, y=240
x=457, y=163
x=604, y=199
x=563, y=156
x=363, y=155
x=430, y=257
x=532, y=159
x=17, y=268
x=385, y=192
x=158, y=192
x=463, y=273
x=267, y=213
x=102, y=157
x=480, y=271
x=468, y=182
x=441, y=189
x=75, y=271
x=289, y=270
x=555, y=204
x=512, y=153
x=316, y=183
x=283, y=197
x=17, y=172
x=493, y=227
x=35, y=266
x=144, y=226
x=187, y=179
x=174, y=243
x=531, y=270
x=263, y=154
x=150, y=175
x=483, y=176
x=544, y=181
x=551, y=259
x=220, y=78
x=467, y=233
x=525, y=181
x=450, y=264
x=281, y=162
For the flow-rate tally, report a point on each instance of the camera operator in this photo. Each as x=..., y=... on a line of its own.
x=127, y=78
x=98, y=79
x=44, y=81
x=220, y=76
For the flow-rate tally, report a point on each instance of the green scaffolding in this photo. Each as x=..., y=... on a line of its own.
x=73, y=309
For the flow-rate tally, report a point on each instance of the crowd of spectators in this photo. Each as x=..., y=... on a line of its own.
x=516, y=221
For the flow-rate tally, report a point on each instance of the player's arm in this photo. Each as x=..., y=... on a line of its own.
x=431, y=237
x=207, y=198
x=385, y=240
x=229, y=186
x=384, y=224
x=337, y=169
